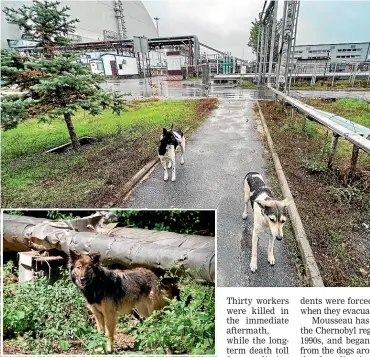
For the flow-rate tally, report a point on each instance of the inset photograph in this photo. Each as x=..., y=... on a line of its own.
x=109, y=282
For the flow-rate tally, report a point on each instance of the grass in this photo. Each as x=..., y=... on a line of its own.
x=355, y=110
x=341, y=84
x=194, y=78
x=38, y=137
x=248, y=84
x=90, y=177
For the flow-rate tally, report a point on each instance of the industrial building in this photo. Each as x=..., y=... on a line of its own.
x=107, y=20
x=338, y=57
x=335, y=52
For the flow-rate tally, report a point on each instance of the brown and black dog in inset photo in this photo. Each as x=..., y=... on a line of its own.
x=108, y=281
x=110, y=293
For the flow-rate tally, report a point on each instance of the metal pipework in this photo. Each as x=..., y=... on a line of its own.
x=129, y=247
x=351, y=136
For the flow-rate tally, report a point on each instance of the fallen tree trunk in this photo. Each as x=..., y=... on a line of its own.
x=127, y=246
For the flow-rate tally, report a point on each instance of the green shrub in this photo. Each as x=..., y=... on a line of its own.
x=313, y=166
x=51, y=318
x=60, y=215
x=186, y=326
x=348, y=195
x=8, y=273
x=188, y=222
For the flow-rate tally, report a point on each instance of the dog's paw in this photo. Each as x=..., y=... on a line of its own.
x=271, y=260
x=253, y=266
x=173, y=178
x=165, y=177
x=244, y=215
x=182, y=162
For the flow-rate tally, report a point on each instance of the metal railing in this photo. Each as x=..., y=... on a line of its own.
x=354, y=137
x=355, y=133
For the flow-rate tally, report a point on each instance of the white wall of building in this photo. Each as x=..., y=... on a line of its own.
x=348, y=52
x=95, y=16
x=125, y=66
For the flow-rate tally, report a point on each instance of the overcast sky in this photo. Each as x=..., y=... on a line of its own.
x=225, y=25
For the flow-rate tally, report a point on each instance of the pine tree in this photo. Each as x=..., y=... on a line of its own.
x=57, y=84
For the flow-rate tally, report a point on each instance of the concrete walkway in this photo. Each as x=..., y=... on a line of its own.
x=218, y=156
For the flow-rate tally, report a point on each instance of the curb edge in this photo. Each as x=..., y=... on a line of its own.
x=315, y=279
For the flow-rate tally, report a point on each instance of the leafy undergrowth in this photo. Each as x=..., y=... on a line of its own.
x=188, y=222
x=47, y=318
x=44, y=318
x=185, y=327
x=335, y=215
x=177, y=221
x=90, y=177
x=338, y=85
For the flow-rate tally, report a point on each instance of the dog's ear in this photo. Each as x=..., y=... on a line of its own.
x=164, y=131
x=73, y=256
x=261, y=204
x=95, y=258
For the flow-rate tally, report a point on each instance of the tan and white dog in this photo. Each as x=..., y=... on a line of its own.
x=269, y=214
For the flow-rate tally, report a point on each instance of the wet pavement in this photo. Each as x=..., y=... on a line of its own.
x=160, y=88
x=187, y=89
x=218, y=156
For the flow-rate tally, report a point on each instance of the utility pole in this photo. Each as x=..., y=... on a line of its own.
x=272, y=44
x=156, y=20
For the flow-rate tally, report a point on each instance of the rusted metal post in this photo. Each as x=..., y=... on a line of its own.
x=333, y=150
x=354, y=158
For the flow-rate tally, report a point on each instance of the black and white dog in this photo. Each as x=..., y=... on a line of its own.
x=269, y=214
x=169, y=141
